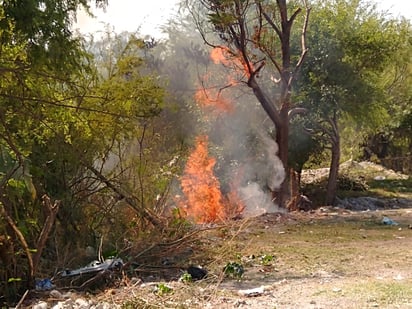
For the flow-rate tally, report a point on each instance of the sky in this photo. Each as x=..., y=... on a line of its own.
x=129, y=15
x=148, y=16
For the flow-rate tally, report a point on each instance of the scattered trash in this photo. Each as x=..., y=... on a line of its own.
x=197, y=272
x=252, y=292
x=388, y=221
x=94, y=267
x=44, y=285
x=379, y=178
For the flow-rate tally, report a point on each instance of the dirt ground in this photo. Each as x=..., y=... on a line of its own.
x=330, y=258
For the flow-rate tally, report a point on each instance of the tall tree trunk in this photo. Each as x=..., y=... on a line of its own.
x=334, y=164
x=293, y=203
x=282, y=139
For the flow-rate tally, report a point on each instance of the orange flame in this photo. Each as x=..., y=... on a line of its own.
x=204, y=200
x=223, y=56
x=211, y=98
x=201, y=187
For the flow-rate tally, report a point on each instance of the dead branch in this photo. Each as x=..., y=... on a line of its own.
x=144, y=212
x=296, y=111
x=303, y=43
x=21, y=238
x=51, y=213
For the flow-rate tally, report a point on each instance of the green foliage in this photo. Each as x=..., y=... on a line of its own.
x=44, y=27
x=394, y=187
x=186, y=277
x=234, y=269
x=14, y=280
x=162, y=289
x=351, y=45
x=58, y=117
x=302, y=144
x=266, y=259
x=351, y=183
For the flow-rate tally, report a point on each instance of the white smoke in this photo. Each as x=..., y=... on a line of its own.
x=257, y=202
x=256, y=199
x=274, y=164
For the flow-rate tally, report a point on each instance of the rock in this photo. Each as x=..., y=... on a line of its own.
x=361, y=203
x=40, y=305
x=103, y=305
x=64, y=304
x=61, y=305
x=56, y=294
x=82, y=303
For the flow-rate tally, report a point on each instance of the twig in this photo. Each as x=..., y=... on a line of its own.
x=100, y=258
x=22, y=299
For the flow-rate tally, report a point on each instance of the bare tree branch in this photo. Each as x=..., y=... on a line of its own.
x=303, y=43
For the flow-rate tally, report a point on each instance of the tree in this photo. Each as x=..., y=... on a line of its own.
x=257, y=35
x=38, y=64
x=351, y=45
x=58, y=116
x=137, y=163
x=391, y=144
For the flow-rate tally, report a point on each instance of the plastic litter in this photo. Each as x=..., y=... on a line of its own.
x=44, y=285
x=94, y=267
x=197, y=272
x=252, y=292
x=389, y=221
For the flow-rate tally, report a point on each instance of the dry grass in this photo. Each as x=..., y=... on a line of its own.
x=304, y=261
x=330, y=258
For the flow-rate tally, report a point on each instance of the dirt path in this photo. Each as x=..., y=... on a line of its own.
x=328, y=260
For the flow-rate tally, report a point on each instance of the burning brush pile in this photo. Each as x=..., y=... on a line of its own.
x=204, y=200
x=248, y=193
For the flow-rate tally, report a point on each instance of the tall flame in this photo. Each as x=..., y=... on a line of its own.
x=201, y=187
x=204, y=200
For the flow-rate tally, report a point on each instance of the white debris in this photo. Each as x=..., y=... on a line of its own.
x=252, y=292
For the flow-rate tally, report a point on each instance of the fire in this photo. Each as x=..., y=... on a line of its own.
x=204, y=201
x=211, y=98
x=201, y=187
x=222, y=55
